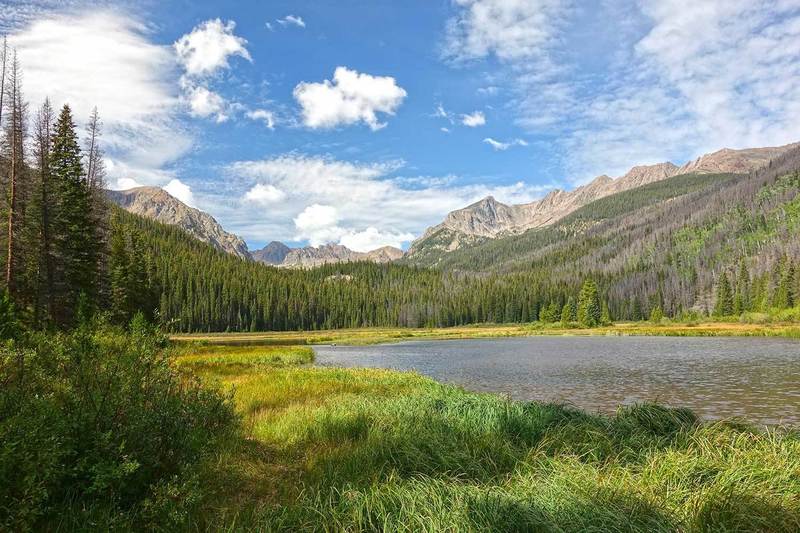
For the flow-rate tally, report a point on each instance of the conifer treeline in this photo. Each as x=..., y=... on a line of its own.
x=53, y=246
x=66, y=252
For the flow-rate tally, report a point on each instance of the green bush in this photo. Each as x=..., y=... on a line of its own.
x=98, y=421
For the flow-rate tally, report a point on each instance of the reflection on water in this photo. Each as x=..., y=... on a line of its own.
x=754, y=378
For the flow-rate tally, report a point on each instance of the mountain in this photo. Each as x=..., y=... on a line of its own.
x=272, y=254
x=664, y=244
x=278, y=254
x=490, y=219
x=735, y=161
x=157, y=204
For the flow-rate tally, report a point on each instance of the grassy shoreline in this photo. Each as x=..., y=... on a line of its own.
x=328, y=449
x=360, y=336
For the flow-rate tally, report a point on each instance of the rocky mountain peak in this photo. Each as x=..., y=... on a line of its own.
x=280, y=255
x=491, y=219
x=157, y=204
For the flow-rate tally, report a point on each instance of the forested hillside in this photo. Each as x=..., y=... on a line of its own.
x=668, y=244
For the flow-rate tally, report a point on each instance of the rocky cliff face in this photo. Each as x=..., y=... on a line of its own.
x=157, y=204
x=278, y=254
x=489, y=219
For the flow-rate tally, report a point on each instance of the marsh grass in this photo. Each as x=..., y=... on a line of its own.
x=363, y=336
x=375, y=450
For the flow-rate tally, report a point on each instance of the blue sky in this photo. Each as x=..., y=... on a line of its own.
x=364, y=122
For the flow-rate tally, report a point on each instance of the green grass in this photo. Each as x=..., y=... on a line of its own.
x=359, y=336
x=375, y=450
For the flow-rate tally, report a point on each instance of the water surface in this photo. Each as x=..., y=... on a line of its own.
x=757, y=379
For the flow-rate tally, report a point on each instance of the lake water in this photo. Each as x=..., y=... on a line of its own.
x=757, y=379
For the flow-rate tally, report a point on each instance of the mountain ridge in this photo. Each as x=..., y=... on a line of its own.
x=490, y=219
x=157, y=204
x=278, y=254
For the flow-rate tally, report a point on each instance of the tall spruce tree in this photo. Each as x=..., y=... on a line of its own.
x=589, y=308
x=724, y=305
x=76, y=244
x=43, y=199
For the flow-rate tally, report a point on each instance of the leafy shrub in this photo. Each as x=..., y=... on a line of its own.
x=97, y=419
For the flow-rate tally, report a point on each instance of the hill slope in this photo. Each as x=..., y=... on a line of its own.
x=157, y=204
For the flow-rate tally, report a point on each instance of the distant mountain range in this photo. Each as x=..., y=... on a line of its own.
x=490, y=219
x=484, y=220
x=278, y=254
x=157, y=204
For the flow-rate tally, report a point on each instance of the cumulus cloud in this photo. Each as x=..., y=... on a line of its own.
x=363, y=195
x=125, y=183
x=503, y=146
x=351, y=97
x=181, y=191
x=372, y=239
x=473, y=120
x=206, y=49
x=264, y=194
x=205, y=103
x=317, y=224
x=106, y=59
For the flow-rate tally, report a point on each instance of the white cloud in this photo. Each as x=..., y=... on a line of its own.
x=126, y=183
x=509, y=29
x=350, y=98
x=205, y=103
x=663, y=79
x=372, y=239
x=292, y=20
x=317, y=224
x=206, y=49
x=441, y=112
x=473, y=120
x=502, y=146
x=365, y=195
x=181, y=191
x=106, y=59
x=264, y=194
x=445, y=130
x=268, y=117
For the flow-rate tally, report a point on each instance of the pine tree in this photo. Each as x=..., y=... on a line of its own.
x=568, y=312
x=656, y=314
x=605, y=315
x=75, y=243
x=43, y=199
x=724, y=305
x=741, y=299
x=589, y=309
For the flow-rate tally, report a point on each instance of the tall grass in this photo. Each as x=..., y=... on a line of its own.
x=376, y=450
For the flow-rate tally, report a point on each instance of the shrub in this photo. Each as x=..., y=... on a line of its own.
x=97, y=419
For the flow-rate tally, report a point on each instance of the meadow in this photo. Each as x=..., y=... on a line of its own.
x=379, y=335
x=326, y=449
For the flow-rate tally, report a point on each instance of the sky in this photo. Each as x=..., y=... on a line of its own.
x=362, y=122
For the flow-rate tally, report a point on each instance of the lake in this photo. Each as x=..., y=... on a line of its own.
x=757, y=379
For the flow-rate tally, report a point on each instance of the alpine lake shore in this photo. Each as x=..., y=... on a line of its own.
x=331, y=449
